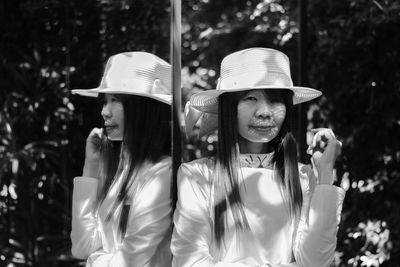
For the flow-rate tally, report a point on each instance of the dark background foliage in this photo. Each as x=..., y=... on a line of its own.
x=49, y=47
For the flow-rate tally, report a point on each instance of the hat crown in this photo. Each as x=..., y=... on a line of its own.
x=137, y=72
x=255, y=68
x=134, y=73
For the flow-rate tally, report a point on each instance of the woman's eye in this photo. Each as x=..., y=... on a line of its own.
x=277, y=100
x=250, y=98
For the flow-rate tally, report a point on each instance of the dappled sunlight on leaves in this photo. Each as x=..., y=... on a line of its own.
x=374, y=238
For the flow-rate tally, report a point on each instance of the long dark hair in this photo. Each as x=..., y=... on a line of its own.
x=146, y=137
x=227, y=193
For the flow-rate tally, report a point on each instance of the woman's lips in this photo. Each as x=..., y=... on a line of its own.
x=110, y=127
x=260, y=128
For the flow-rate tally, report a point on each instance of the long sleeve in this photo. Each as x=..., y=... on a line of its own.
x=192, y=236
x=85, y=234
x=148, y=228
x=270, y=238
x=315, y=242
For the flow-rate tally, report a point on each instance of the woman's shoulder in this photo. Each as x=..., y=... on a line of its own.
x=199, y=170
x=161, y=169
x=206, y=161
x=200, y=165
x=194, y=182
x=164, y=163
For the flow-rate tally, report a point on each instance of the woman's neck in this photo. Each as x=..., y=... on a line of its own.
x=248, y=147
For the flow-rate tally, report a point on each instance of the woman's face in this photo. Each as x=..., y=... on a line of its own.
x=260, y=117
x=113, y=115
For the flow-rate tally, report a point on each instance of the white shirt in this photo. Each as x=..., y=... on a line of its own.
x=147, y=238
x=272, y=231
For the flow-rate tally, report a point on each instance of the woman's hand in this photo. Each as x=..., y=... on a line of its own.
x=324, y=150
x=92, y=154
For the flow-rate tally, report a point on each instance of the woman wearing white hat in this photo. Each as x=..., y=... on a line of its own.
x=121, y=212
x=253, y=204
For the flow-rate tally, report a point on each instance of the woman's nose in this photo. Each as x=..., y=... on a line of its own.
x=106, y=111
x=263, y=110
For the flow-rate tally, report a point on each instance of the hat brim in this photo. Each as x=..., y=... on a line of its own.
x=207, y=101
x=94, y=92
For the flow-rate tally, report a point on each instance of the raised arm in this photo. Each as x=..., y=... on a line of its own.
x=315, y=242
x=316, y=236
x=85, y=234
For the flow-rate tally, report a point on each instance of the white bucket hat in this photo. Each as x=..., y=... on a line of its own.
x=134, y=73
x=248, y=69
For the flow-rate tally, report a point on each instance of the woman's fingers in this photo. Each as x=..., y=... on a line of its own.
x=96, y=133
x=92, y=154
x=324, y=148
x=323, y=138
x=318, y=143
x=95, y=137
x=93, y=143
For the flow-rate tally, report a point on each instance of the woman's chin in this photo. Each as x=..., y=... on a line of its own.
x=114, y=138
x=261, y=138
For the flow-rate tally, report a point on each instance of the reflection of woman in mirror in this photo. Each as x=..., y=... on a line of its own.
x=121, y=213
x=253, y=204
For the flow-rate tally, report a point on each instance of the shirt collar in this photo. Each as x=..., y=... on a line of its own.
x=256, y=160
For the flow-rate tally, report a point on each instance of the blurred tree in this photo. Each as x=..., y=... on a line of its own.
x=355, y=60
x=49, y=47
